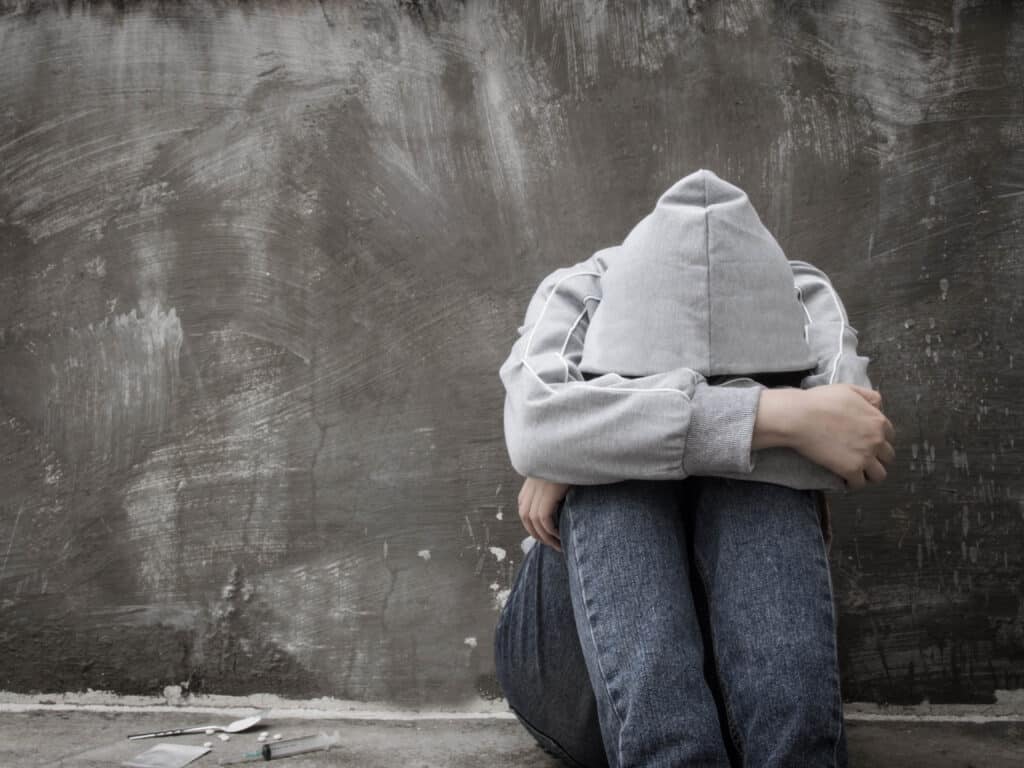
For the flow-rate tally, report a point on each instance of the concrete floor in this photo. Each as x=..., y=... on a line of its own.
x=91, y=739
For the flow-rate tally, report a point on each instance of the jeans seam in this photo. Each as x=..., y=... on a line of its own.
x=593, y=637
x=730, y=718
x=838, y=707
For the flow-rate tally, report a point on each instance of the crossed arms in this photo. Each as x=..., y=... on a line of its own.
x=566, y=429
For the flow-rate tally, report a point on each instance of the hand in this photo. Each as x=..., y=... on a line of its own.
x=538, y=500
x=842, y=427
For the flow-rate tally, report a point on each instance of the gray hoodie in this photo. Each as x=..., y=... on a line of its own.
x=647, y=360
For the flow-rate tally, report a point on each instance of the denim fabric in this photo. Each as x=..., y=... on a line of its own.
x=686, y=623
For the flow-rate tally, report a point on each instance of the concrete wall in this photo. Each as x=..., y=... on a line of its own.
x=261, y=262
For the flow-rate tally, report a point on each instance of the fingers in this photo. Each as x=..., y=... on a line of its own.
x=537, y=504
x=871, y=395
x=544, y=519
x=541, y=512
x=874, y=471
x=875, y=398
x=525, y=505
x=855, y=480
x=886, y=453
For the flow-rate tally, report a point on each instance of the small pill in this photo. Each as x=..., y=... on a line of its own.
x=207, y=744
x=223, y=737
x=209, y=731
x=277, y=735
x=262, y=736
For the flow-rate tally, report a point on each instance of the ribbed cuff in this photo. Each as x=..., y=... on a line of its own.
x=721, y=430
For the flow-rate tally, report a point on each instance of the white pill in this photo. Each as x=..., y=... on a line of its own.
x=277, y=735
x=223, y=737
x=207, y=744
x=209, y=731
x=262, y=736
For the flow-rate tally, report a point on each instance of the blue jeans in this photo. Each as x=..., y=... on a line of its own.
x=685, y=623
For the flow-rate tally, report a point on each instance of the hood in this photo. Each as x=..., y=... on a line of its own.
x=699, y=283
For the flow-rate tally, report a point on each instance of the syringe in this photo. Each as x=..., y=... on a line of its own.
x=273, y=750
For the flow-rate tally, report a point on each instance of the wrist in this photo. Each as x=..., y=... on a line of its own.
x=777, y=418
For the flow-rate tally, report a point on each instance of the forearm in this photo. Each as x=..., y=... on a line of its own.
x=660, y=427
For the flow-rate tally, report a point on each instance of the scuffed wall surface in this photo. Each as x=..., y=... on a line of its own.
x=259, y=265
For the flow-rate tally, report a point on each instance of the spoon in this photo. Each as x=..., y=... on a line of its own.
x=236, y=727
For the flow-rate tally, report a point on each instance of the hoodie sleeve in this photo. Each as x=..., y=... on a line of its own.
x=834, y=342
x=562, y=427
x=829, y=332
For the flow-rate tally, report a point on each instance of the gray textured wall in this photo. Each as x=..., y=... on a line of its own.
x=260, y=265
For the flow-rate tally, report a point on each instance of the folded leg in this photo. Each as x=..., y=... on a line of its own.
x=761, y=555
x=540, y=665
x=629, y=576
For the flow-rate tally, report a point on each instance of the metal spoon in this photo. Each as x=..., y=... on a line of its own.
x=236, y=727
